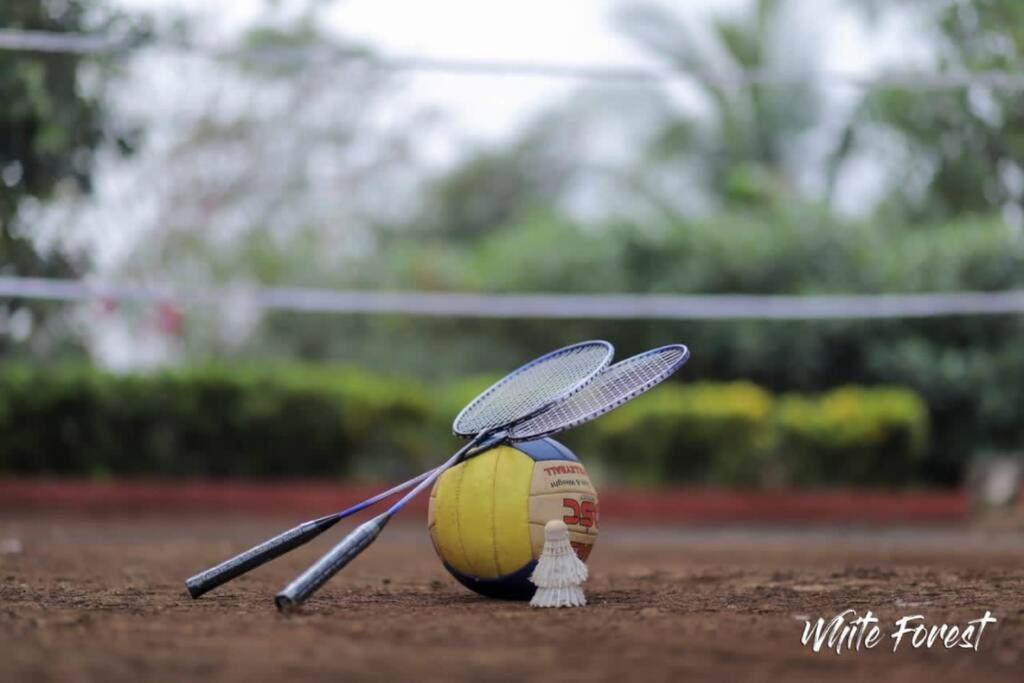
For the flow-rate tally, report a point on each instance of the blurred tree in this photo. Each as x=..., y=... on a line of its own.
x=962, y=148
x=494, y=187
x=749, y=145
x=275, y=169
x=50, y=127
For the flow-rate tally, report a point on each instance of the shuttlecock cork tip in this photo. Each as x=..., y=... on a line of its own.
x=555, y=530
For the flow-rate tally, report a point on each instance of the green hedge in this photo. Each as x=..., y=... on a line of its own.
x=715, y=433
x=737, y=434
x=852, y=435
x=214, y=422
x=313, y=421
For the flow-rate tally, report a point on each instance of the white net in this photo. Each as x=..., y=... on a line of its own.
x=533, y=386
x=614, y=386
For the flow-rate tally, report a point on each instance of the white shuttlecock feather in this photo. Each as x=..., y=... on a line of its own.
x=559, y=574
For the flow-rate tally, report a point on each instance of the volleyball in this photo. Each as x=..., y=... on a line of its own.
x=487, y=515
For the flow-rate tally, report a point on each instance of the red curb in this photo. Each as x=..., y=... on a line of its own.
x=662, y=506
x=792, y=507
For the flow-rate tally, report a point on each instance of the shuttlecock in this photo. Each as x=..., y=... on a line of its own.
x=559, y=574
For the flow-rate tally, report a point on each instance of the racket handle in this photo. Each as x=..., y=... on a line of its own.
x=206, y=581
x=330, y=564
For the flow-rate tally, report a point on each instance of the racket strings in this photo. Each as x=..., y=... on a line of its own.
x=534, y=386
x=610, y=389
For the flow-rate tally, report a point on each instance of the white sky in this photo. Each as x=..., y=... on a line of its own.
x=479, y=109
x=561, y=31
x=564, y=31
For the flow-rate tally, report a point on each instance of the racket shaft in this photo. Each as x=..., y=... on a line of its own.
x=356, y=542
x=330, y=564
x=258, y=555
x=480, y=443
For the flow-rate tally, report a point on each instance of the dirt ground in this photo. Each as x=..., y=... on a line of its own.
x=103, y=600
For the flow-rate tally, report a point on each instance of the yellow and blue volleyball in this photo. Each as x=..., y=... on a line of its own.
x=487, y=514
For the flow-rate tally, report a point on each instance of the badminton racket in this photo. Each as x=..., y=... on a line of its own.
x=572, y=365
x=497, y=415
x=205, y=581
x=522, y=394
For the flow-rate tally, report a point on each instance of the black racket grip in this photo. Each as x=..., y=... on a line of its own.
x=206, y=581
x=330, y=564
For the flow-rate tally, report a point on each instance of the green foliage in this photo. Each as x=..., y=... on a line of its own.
x=747, y=148
x=962, y=147
x=852, y=435
x=494, y=187
x=212, y=421
x=707, y=433
x=968, y=369
x=737, y=434
x=50, y=127
x=47, y=130
x=302, y=421
x=544, y=252
x=775, y=250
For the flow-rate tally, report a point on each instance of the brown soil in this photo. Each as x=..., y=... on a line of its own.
x=103, y=600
